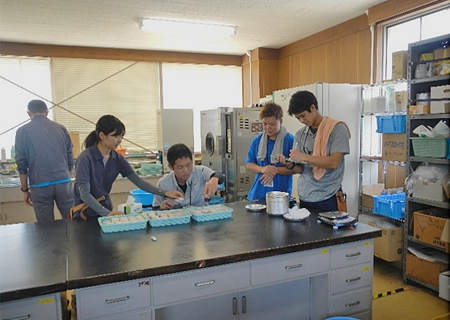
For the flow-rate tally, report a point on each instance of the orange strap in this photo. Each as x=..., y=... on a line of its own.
x=81, y=207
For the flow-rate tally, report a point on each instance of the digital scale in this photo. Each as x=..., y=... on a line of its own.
x=337, y=219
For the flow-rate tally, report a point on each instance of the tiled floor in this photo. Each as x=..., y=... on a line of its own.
x=411, y=304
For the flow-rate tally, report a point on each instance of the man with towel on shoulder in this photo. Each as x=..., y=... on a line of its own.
x=261, y=157
x=321, y=145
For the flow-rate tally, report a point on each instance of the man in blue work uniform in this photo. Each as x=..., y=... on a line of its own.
x=261, y=157
x=44, y=160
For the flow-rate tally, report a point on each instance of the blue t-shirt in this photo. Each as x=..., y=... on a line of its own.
x=280, y=182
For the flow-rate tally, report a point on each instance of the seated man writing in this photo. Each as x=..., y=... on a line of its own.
x=197, y=183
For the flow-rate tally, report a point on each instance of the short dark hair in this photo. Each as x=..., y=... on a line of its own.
x=302, y=101
x=271, y=109
x=37, y=106
x=178, y=151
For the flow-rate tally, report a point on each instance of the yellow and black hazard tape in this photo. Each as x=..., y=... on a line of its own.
x=389, y=293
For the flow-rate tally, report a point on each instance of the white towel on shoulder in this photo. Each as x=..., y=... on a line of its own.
x=277, y=148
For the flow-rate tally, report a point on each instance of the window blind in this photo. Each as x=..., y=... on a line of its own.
x=86, y=89
x=21, y=79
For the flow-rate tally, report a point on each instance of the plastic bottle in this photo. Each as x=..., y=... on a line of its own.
x=3, y=158
x=13, y=154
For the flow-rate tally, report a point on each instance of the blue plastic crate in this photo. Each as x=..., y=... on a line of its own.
x=391, y=124
x=390, y=205
x=155, y=221
x=142, y=196
x=107, y=225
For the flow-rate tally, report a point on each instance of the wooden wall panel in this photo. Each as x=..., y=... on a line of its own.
x=284, y=73
x=268, y=79
x=319, y=64
x=349, y=59
x=363, y=39
x=305, y=70
x=334, y=58
x=393, y=8
x=255, y=82
x=296, y=69
x=27, y=49
x=246, y=84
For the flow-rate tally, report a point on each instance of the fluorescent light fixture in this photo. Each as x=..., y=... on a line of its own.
x=191, y=28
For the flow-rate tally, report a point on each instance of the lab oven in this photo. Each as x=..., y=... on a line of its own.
x=226, y=136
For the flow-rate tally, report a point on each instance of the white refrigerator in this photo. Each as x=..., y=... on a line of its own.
x=339, y=101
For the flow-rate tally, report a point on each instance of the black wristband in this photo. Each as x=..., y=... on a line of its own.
x=291, y=167
x=26, y=190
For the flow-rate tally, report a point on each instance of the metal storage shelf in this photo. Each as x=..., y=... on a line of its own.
x=423, y=284
x=429, y=116
x=380, y=160
x=438, y=204
x=383, y=113
x=430, y=160
x=411, y=239
x=418, y=86
x=430, y=79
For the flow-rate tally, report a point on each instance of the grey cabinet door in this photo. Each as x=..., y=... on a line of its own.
x=287, y=301
x=222, y=307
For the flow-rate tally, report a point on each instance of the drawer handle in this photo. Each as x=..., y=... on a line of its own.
x=244, y=304
x=295, y=266
x=109, y=301
x=353, y=280
x=234, y=306
x=28, y=316
x=206, y=283
x=353, y=255
x=347, y=305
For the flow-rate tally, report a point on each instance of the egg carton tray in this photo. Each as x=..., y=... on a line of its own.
x=210, y=213
x=107, y=225
x=165, y=222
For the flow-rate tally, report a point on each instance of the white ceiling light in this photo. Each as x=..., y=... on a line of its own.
x=191, y=28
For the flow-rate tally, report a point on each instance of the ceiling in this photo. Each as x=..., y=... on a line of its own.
x=115, y=23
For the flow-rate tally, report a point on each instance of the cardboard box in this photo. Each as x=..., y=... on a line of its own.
x=444, y=285
x=419, y=109
x=424, y=270
x=441, y=53
x=432, y=230
x=440, y=92
x=441, y=106
x=395, y=176
x=394, y=147
x=76, y=148
x=431, y=191
x=401, y=100
x=370, y=191
x=389, y=246
x=399, y=60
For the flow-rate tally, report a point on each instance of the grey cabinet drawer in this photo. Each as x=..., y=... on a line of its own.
x=351, y=303
x=353, y=253
x=141, y=315
x=351, y=278
x=112, y=299
x=46, y=307
x=200, y=283
x=290, y=266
